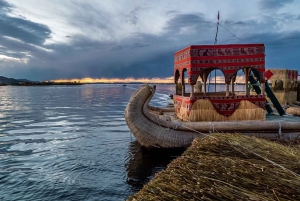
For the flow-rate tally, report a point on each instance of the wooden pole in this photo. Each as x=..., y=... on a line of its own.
x=246, y=71
x=232, y=86
x=183, y=84
x=227, y=89
x=215, y=80
x=216, y=39
x=262, y=87
x=192, y=91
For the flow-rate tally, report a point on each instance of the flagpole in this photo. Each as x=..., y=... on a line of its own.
x=216, y=39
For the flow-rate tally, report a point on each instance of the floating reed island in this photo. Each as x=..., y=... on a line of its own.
x=228, y=167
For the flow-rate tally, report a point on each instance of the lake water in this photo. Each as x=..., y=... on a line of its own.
x=72, y=143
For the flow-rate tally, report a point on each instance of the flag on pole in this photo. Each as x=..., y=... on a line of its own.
x=218, y=15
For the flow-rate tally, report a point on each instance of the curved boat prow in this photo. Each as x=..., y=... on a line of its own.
x=148, y=133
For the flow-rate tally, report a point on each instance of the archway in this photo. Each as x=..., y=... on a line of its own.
x=216, y=81
x=278, y=85
x=238, y=82
x=177, y=81
x=184, y=80
x=176, y=76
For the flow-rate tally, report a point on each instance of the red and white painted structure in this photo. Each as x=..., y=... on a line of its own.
x=200, y=60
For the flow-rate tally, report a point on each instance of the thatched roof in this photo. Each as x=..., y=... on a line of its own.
x=229, y=167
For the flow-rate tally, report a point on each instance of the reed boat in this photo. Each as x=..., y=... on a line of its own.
x=200, y=112
x=160, y=128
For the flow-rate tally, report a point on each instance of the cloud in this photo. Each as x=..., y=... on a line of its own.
x=22, y=29
x=4, y=7
x=19, y=38
x=273, y=4
x=187, y=23
x=119, y=41
x=132, y=17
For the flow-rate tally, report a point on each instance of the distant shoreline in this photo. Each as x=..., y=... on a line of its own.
x=79, y=83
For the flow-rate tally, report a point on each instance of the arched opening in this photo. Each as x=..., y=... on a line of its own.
x=178, y=86
x=215, y=81
x=184, y=81
x=238, y=83
x=278, y=85
x=176, y=76
x=290, y=85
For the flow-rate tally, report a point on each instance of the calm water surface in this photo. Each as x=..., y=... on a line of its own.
x=72, y=143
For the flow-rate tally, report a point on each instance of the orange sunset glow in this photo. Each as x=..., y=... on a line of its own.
x=168, y=80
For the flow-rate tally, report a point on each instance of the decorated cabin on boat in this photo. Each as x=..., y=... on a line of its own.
x=199, y=61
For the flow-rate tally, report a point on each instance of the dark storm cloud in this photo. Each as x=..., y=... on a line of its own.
x=130, y=46
x=18, y=49
x=291, y=36
x=139, y=54
x=147, y=55
x=132, y=17
x=86, y=16
x=88, y=58
x=22, y=29
x=179, y=21
x=159, y=66
x=273, y=4
x=19, y=37
x=239, y=23
x=4, y=6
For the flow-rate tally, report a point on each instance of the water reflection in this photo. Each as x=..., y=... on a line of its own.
x=72, y=143
x=143, y=163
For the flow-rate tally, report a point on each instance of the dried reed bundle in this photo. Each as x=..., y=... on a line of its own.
x=282, y=75
x=279, y=74
x=228, y=167
x=293, y=110
x=285, y=97
x=281, y=97
x=203, y=110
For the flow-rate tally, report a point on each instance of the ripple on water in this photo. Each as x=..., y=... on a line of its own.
x=70, y=143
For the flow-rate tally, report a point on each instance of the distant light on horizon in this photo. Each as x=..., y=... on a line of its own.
x=168, y=80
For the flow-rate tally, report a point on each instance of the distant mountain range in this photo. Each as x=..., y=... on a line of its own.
x=12, y=81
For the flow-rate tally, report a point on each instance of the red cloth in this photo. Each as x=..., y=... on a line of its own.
x=269, y=74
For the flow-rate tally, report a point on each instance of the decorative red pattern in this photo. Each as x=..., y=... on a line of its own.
x=228, y=58
x=292, y=74
x=223, y=105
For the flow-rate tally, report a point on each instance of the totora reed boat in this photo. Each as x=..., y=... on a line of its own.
x=199, y=112
x=160, y=128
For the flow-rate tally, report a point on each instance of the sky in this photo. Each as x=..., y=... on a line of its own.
x=124, y=39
